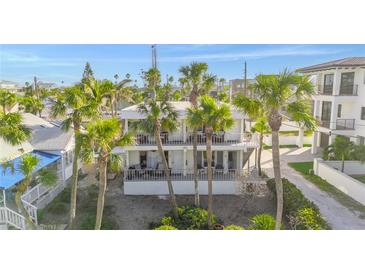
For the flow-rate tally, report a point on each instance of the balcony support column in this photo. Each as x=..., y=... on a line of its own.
x=184, y=162
x=183, y=130
x=225, y=161
x=314, y=142
x=333, y=115
x=242, y=130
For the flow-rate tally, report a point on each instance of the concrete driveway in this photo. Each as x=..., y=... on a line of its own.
x=338, y=216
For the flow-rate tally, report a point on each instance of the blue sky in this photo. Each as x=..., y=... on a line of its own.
x=56, y=63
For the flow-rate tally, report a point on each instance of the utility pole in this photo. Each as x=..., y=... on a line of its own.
x=245, y=79
x=154, y=56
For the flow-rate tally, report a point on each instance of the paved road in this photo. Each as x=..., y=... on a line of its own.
x=338, y=216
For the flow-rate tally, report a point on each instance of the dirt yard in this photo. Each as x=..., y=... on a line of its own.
x=137, y=212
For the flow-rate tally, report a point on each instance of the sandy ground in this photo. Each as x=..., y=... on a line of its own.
x=136, y=212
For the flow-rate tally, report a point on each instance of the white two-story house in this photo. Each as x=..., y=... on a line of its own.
x=339, y=100
x=144, y=172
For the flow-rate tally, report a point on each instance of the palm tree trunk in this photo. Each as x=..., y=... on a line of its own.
x=195, y=168
x=277, y=175
x=343, y=163
x=167, y=173
x=210, y=183
x=75, y=169
x=21, y=208
x=194, y=103
x=259, y=153
x=101, y=195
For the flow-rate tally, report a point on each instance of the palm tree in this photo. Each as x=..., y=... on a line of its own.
x=341, y=149
x=119, y=92
x=260, y=127
x=196, y=79
x=75, y=106
x=160, y=116
x=7, y=99
x=101, y=137
x=27, y=166
x=32, y=105
x=213, y=118
x=274, y=93
x=12, y=130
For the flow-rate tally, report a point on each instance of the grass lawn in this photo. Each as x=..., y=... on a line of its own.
x=295, y=133
x=286, y=146
x=360, y=178
x=338, y=195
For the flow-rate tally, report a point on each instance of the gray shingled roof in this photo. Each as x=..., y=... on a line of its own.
x=346, y=62
x=50, y=138
x=46, y=136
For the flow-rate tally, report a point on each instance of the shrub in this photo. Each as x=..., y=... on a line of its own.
x=309, y=219
x=262, y=222
x=65, y=195
x=294, y=203
x=189, y=218
x=233, y=227
x=57, y=208
x=165, y=227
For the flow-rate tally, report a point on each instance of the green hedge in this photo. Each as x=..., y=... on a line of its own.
x=299, y=211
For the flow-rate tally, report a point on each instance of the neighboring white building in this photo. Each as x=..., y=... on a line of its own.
x=143, y=164
x=10, y=86
x=339, y=100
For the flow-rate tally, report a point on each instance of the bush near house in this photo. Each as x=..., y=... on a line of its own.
x=166, y=227
x=233, y=227
x=189, y=218
x=262, y=222
x=299, y=211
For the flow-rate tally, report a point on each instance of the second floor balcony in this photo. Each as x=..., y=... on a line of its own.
x=343, y=90
x=221, y=138
x=339, y=124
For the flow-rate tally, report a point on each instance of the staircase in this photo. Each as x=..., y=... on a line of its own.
x=12, y=218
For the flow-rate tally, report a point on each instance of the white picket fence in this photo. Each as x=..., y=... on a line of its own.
x=10, y=217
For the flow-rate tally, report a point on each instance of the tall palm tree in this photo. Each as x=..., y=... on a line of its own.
x=160, y=116
x=213, y=118
x=27, y=166
x=12, y=130
x=75, y=106
x=261, y=127
x=275, y=93
x=101, y=137
x=196, y=79
x=7, y=100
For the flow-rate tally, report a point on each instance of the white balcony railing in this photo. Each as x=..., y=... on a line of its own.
x=223, y=138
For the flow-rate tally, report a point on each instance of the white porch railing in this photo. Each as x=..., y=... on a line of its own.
x=181, y=175
x=40, y=196
x=10, y=217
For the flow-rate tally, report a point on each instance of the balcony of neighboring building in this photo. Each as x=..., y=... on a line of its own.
x=337, y=124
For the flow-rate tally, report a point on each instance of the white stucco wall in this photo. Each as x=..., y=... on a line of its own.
x=351, y=167
x=343, y=182
x=180, y=188
x=288, y=140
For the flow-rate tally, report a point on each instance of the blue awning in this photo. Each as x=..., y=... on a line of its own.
x=8, y=179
